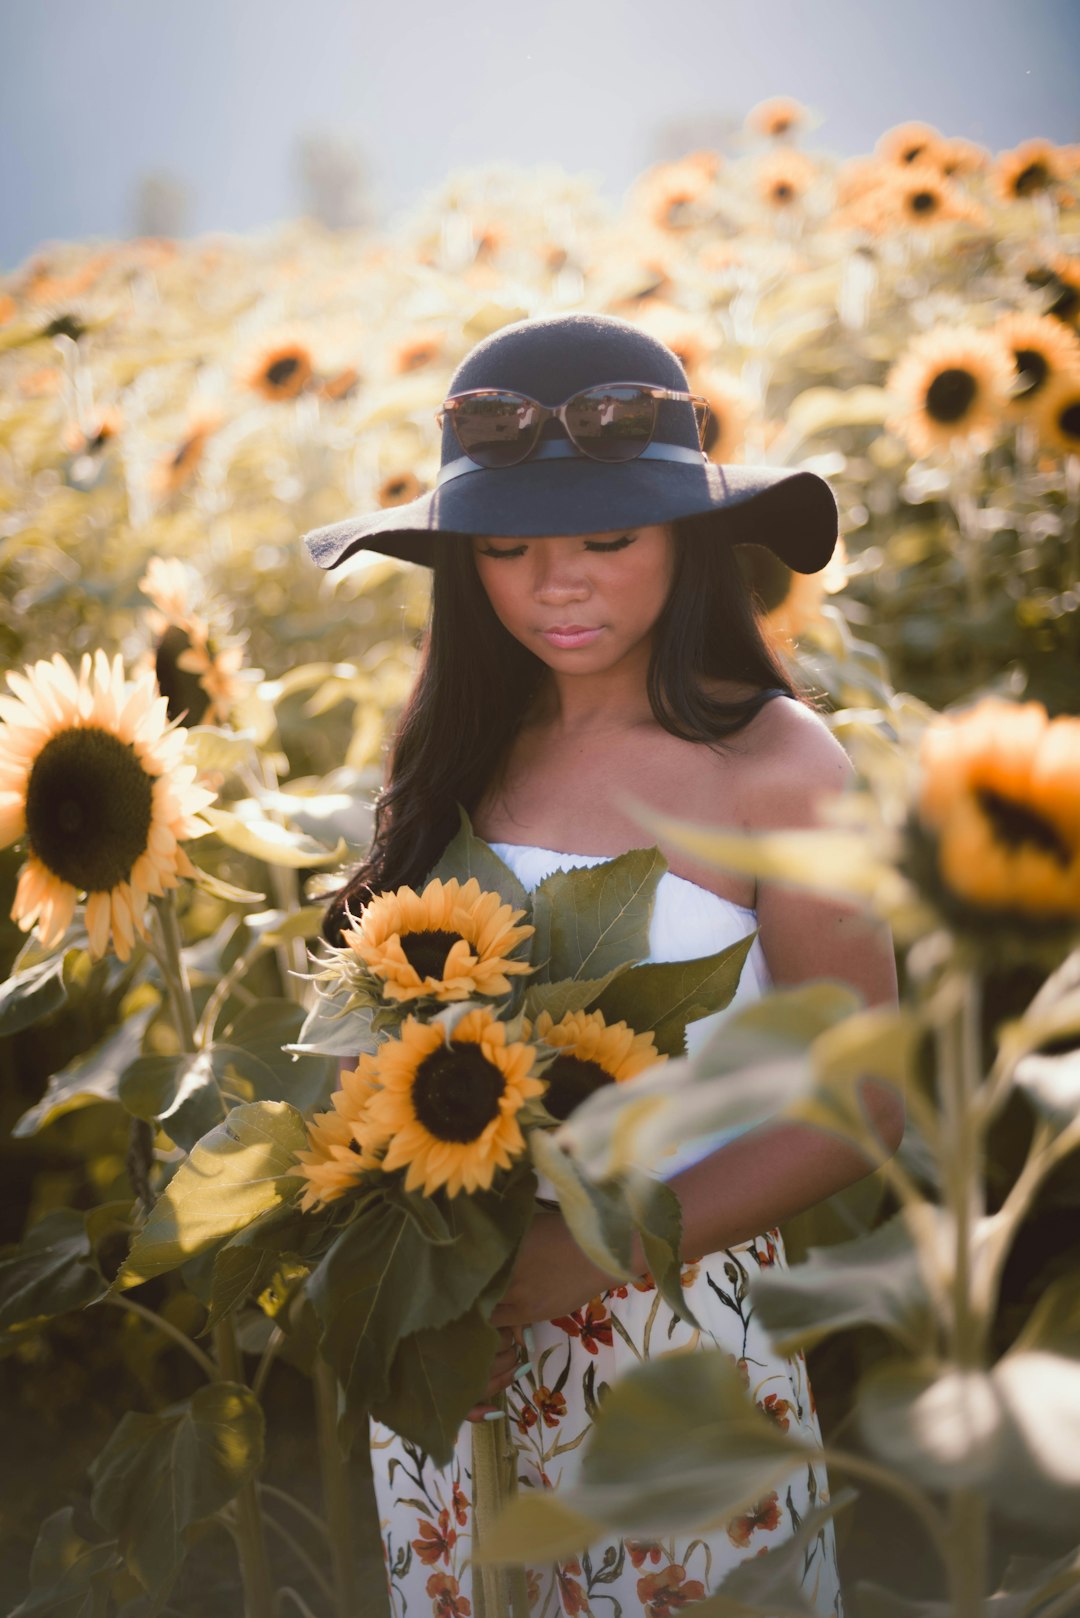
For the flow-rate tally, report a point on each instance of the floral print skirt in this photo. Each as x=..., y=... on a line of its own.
x=426, y=1511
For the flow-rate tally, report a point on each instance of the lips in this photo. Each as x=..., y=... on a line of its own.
x=567, y=636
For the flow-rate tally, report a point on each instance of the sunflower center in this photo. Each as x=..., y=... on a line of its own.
x=570, y=1081
x=1034, y=368
x=426, y=951
x=924, y=202
x=1069, y=421
x=783, y=192
x=1015, y=824
x=182, y=689
x=282, y=371
x=950, y=394
x=89, y=807
x=1036, y=177
x=456, y=1092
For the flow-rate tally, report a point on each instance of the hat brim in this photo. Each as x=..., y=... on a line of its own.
x=792, y=513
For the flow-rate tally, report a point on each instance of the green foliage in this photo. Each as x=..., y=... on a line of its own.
x=52, y=1271
x=596, y=918
x=665, y=996
x=93, y=1077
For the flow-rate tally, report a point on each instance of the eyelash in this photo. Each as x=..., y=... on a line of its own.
x=590, y=545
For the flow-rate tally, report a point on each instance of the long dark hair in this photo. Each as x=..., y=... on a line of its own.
x=476, y=684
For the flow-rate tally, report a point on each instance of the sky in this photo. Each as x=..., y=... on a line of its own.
x=216, y=94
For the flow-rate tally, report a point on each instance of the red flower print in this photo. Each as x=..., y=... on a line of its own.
x=667, y=1591
x=592, y=1324
x=574, y=1599
x=777, y=1408
x=642, y=1551
x=614, y=1292
x=526, y=1416
x=532, y=1579
x=460, y=1503
x=552, y=1406
x=448, y=1602
x=644, y=1283
x=434, y=1544
x=765, y=1514
x=767, y=1259
x=690, y=1274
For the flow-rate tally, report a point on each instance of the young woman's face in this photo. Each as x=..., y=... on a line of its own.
x=580, y=602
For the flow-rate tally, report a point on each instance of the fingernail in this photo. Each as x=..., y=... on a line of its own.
x=521, y=1370
x=493, y=1415
x=530, y=1341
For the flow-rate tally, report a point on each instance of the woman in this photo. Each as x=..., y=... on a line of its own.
x=591, y=641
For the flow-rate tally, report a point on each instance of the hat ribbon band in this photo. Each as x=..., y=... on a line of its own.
x=559, y=450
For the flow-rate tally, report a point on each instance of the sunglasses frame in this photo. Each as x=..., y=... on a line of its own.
x=558, y=413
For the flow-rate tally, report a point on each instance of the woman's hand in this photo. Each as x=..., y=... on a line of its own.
x=510, y=1356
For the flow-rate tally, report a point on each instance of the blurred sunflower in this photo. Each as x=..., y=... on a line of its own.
x=1058, y=414
x=340, y=384
x=959, y=158
x=1000, y=795
x=89, y=439
x=671, y=195
x=199, y=675
x=335, y=1159
x=911, y=144
x=951, y=384
x=790, y=603
x=446, y=1107
x=281, y=370
x=399, y=488
x=681, y=332
x=91, y=778
x=448, y=943
x=729, y=413
x=175, y=470
x=1042, y=350
x=417, y=351
x=1060, y=278
x=592, y=1052
x=915, y=198
x=782, y=179
x=776, y=117
x=1031, y=169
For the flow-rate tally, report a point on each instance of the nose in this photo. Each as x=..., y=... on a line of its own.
x=559, y=571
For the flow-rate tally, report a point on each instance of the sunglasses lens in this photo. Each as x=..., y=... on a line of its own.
x=496, y=429
x=611, y=423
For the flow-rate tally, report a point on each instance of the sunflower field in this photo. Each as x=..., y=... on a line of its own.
x=191, y=738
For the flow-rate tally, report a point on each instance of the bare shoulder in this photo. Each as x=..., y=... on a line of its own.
x=792, y=760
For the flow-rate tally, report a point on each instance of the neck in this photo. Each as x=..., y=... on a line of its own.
x=588, y=704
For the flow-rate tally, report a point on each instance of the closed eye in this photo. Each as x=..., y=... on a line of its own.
x=490, y=550
x=610, y=544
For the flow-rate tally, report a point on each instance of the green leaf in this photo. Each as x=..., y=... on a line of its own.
x=876, y=1279
x=256, y=1041
x=664, y=996
x=160, y=1474
x=252, y=833
x=774, y=1582
x=469, y=856
x=598, y=1215
x=248, y=1261
x=211, y=748
x=1052, y=1083
x=330, y=1030
x=29, y=995
x=218, y=888
x=435, y=1378
x=183, y=1093
x=1012, y=1433
x=234, y=1174
x=677, y=1445
x=570, y=994
x=657, y=1214
x=597, y=917
x=69, y=1574
x=817, y=410
x=51, y=1272
x=90, y=1078
x=382, y=1281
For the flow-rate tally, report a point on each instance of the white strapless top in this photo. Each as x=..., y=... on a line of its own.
x=687, y=920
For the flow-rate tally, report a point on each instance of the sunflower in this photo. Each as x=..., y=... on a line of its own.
x=951, y=384
x=1061, y=279
x=416, y=352
x=399, y=488
x=680, y=331
x=776, y=117
x=447, y=943
x=177, y=468
x=92, y=439
x=791, y=602
x=783, y=178
x=670, y=195
x=446, y=1107
x=1000, y=793
x=593, y=1052
x=1042, y=350
x=335, y=1159
x=911, y=144
x=90, y=776
x=917, y=198
x=959, y=158
x=729, y=413
x=1029, y=170
x=340, y=384
x=281, y=370
x=1058, y=414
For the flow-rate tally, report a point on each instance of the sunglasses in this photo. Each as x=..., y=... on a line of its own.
x=614, y=422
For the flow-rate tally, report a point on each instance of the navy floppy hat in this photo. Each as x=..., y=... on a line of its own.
x=557, y=490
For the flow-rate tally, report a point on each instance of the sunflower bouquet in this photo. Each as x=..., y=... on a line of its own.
x=478, y=1016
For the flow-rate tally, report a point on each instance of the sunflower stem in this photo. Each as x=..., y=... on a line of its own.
x=249, y=1529
x=959, y=1082
x=336, y=1492
x=498, y=1592
x=176, y=972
